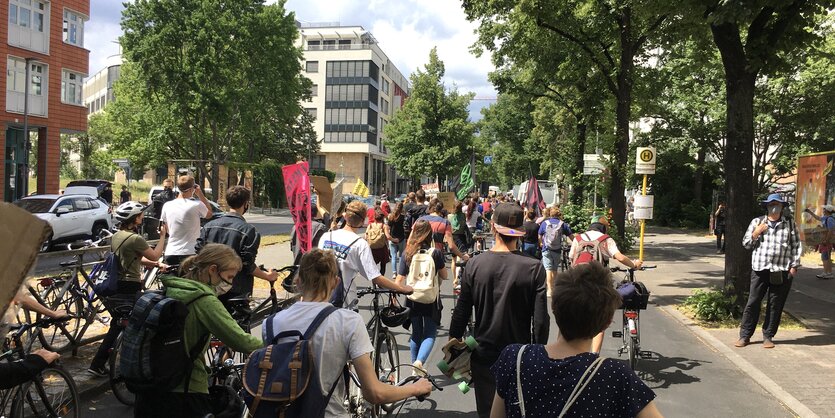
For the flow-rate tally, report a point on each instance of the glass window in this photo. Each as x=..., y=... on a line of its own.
x=329, y=69
x=66, y=203
x=13, y=14
x=352, y=69
x=93, y=204
x=38, y=22
x=365, y=68
x=343, y=69
x=73, y=28
x=71, y=87
x=314, y=90
x=82, y=204
x=311, y=112
x=312, y=66
x=23, y=18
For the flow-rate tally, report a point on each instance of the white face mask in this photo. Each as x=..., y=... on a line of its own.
x=775, y=209
x=222, y=286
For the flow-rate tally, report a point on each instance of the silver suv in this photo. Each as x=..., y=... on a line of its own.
x=72, y=217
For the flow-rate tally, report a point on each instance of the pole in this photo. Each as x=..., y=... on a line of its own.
x=643, y=222
x=27, y=143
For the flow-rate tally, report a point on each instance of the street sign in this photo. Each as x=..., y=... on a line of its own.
x=488, y=159
x=643, y=206
x=645, y=160
x=592, y=164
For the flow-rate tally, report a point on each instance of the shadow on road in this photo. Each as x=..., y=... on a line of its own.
x=661, y=372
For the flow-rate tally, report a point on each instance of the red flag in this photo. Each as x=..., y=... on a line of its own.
x=533, y=197
x=297, y=189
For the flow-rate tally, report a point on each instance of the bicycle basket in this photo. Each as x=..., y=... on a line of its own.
x=394, y=316
x=635, y=295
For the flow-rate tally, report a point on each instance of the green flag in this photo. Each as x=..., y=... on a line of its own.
x=466, y=182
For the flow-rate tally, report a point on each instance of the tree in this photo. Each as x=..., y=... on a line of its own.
x=211, y=80
x=505, y=132
x=431, y=134
x=611, y=35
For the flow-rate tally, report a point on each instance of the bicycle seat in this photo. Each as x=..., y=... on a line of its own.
x=460, y=263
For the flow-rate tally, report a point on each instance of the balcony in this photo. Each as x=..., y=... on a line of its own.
x=355, y=47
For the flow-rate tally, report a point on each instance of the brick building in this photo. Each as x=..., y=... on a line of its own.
x=49, y=36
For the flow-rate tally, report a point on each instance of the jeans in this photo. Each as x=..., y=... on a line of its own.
x=484, y=384
x=777, y=295
x=127, y=295
x=424, y=331
x=720, y=231
x=396, y=250
x=529, y=249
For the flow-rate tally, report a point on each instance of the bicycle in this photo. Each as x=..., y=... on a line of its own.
x=385, y=358
x=117, y=384
x=52, y=393
x=456, y=291
x=565, y=262
x=631, y=331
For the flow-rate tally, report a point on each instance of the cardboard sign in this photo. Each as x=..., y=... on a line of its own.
x=21, y=236
x=645, y=160
x=430, y=188
x=297, y=189
x=323, y=189
x=448, y=199
x=643, y=206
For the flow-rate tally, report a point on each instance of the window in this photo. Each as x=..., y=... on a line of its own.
x=385, y=86
x=317, y=162
x=71, y=87
x=16, y=75
x=314, y=45
x=66, y=203
x=384, y=105
x=82, y=204
x=314, y=90
x=311, y=112
x=73, y=28
x=93, y=204
x=311, y=66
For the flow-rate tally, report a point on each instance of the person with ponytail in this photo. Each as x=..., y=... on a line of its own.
x=204, y=277
x=341, y=337
x=425, y=317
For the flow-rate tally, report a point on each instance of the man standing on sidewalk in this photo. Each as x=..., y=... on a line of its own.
x=507, y=289
x=182, y=216
x=774, y=264
x=719, y=228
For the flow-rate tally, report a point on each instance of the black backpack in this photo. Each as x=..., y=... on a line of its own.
x=282, y=380
x=153, y=351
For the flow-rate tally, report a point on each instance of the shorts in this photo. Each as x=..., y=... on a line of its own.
x=461, y=242
x=551, y=259
x=826, y=251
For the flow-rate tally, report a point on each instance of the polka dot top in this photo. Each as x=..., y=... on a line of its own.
x=615, y=391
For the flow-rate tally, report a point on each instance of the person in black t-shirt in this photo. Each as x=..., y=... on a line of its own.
x=124, y=196
x=530, y=243
x=507, y=290
x=719, y=228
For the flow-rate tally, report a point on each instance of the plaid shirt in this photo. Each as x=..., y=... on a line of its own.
x=777, y=249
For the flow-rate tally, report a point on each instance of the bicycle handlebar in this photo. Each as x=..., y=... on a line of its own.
x=363, y=291
x=286, y=269
x=412, y=379
x=627, y=270
x=44, y=322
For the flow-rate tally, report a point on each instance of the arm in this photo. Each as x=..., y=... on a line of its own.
x=205, y=201
x=19, y=372
x=30, y=303
x=464, y=307
x=650, y=411
x=452, y=247
x=377, y=392
x=249, y=252
x=220, y=324
x=150, y=257
x=541, y=320
x=809, y=211
x=626, y=261
x=796, y=250
x=752, y=236
x=382, y=281
x=498, y=407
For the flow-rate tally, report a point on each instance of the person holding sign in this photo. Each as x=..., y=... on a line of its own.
x=825, y=247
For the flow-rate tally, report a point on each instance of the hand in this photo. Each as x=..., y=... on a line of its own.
x=272, y=276
x=465, y=257
x=408, y=290
x=638, y=264
x=793, y=271
x=163, y=267
x=761, y=228
x=422, y=387
x=48, y=356
x=60, y=313
x=163, y=230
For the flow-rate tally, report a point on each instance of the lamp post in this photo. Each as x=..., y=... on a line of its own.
x=28, y=143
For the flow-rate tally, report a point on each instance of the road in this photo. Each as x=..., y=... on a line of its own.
x=688, y=377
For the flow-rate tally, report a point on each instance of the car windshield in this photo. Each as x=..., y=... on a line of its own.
x=36, y=205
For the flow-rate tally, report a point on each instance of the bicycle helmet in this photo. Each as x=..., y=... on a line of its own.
x=394, y=316
x=128, y=210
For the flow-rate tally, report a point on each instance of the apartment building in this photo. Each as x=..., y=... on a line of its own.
x=356, y=90
x=44, y=39
x=98, y=88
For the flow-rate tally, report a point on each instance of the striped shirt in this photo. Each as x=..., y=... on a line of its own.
x=440, y=227
x=777, y=249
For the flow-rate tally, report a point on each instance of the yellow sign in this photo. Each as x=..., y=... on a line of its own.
x=645, y=160
x=361, y=189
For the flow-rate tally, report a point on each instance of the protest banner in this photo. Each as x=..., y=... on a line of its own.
x=297, y=189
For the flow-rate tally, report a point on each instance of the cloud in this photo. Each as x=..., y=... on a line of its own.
x=406, y=30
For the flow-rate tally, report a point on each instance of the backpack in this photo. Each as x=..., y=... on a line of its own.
x=553, y=235
x=281, y=379
x=105, y=276
x=338, y=296
x=375, y=236
x=588, y=250
x=154, y=355
x=421, y=278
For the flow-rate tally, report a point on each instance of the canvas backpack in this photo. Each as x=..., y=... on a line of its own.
x=588, y=250
x=338, y=296
x=281, y=379
x=105, y=276
x=375, y=236
x=154, y=355
x=421, y=278
x=553, y=235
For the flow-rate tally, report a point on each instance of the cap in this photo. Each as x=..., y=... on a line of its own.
x=508, y=220
x=774, y=197
x=829, y=208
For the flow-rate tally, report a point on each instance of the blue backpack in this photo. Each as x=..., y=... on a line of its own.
x=281, y=379
x=105, y=276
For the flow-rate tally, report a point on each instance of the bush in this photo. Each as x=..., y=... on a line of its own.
x=579, y=218
x=713, y=305
x=330, y=175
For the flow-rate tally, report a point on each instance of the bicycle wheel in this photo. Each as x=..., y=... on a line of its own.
x=52, y=394
x=60, y=336
x=633, y=352
x=357, y=406
x=386, y=362
x=117, y=384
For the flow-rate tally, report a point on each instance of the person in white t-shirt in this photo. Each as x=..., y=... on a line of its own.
x=608, y=250
x=340, y=338
x=182, y=216
x=354, y=255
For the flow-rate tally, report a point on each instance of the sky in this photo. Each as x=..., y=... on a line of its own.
x=405, y=29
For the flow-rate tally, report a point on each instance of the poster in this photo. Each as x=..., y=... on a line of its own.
x=323, y=189
x=430, y=188
x=297, y=189
x=21, y=236
x=815, y=188
x=448, y=199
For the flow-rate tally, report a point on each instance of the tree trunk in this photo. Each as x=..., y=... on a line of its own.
x=623, y=116
x=739, y=86
x=577, y=182
x=699, y=176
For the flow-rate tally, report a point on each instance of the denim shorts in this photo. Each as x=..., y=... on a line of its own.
x=551, y=259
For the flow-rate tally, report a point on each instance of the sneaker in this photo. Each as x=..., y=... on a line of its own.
x=418, y=369
x=742, y=342
x=825, y=276
x=98, y=371
x=767, y=343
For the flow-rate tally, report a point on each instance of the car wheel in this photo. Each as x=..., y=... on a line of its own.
x=97, y=228
x=47, y=244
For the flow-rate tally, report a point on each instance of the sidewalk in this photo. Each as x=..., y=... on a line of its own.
x=800, y=371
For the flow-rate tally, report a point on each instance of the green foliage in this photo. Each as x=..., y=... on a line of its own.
x=268, y=184
x=579, y=217
x=213, y=80
x=505, y=133
x=431, y=134
x=713, y=305
x=330, y=175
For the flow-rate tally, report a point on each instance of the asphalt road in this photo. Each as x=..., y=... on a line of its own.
x=688, y=377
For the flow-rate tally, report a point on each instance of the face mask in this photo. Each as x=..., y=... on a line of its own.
x=774, y=210
x=222, y=286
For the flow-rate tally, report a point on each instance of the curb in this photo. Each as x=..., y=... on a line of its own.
x=754, y=373
x=90, y=391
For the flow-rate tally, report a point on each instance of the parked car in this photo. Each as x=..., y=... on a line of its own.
x=72, y=217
